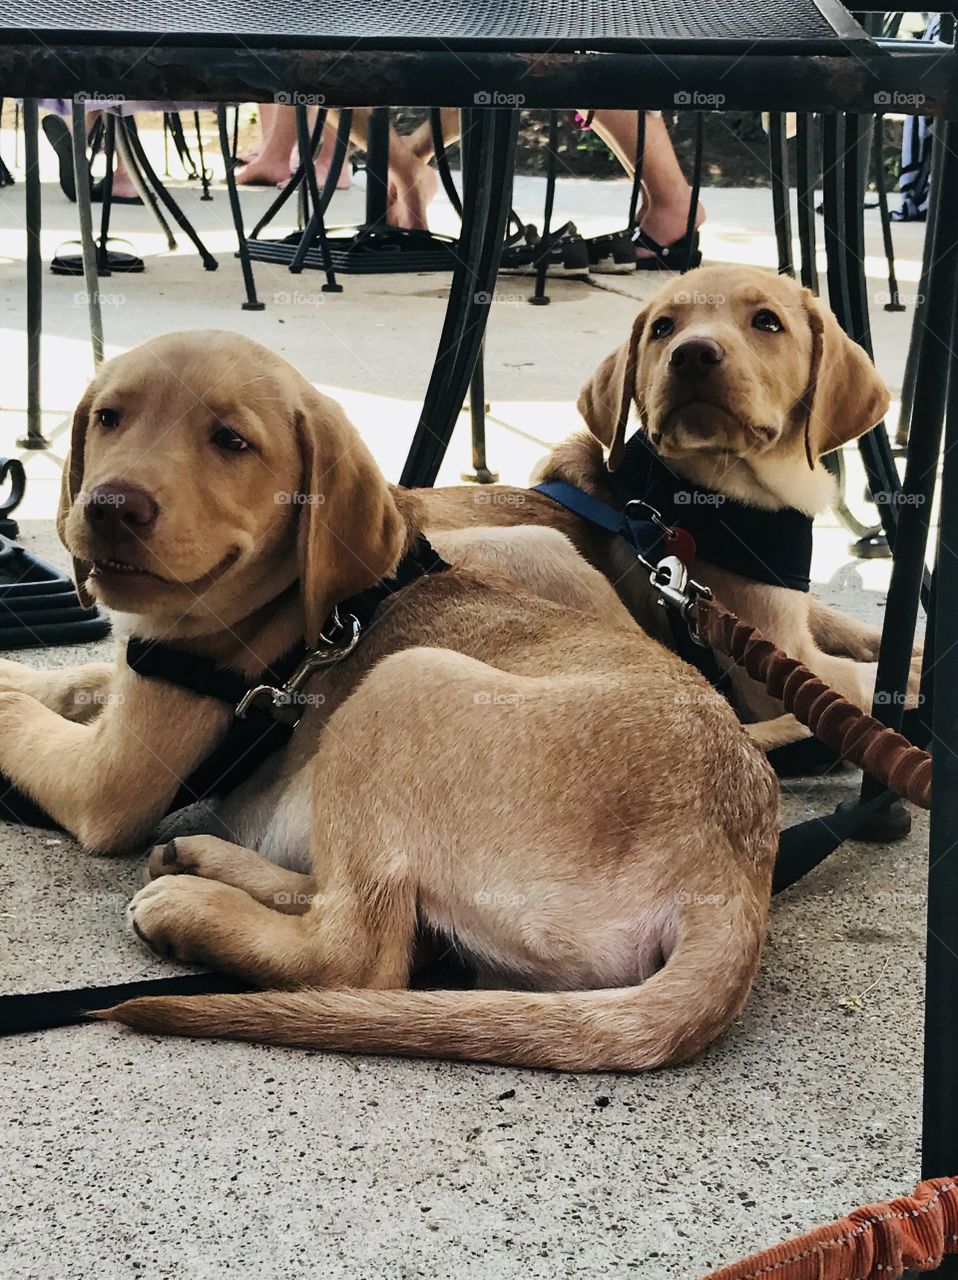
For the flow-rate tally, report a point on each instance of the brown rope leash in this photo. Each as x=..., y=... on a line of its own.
x=857, y=737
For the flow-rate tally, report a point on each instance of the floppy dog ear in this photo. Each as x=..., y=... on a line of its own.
x=351, y=533
x=606, y=399
x=845, y=395
x=71, y=483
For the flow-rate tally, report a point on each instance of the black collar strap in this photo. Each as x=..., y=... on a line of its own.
x=774, y=547
x=256, y=734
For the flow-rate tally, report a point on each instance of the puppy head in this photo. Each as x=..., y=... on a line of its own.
x=206, y=476
x=734, y=361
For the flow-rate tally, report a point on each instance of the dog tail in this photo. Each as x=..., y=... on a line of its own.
x=695, y=996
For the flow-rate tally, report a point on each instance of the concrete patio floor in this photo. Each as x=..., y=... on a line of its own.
x=134, y=1156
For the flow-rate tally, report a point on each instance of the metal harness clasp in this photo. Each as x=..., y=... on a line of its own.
x=335, y=645
x=678, y=591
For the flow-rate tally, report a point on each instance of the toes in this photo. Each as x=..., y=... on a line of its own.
x=154, y=914
x=170, y=859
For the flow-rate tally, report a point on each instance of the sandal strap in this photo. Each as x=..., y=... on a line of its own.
x=643, y=240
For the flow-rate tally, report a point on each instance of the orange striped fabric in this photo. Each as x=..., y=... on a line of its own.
x=877, y=1242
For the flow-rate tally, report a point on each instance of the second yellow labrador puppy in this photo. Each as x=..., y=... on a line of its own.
x=740, y=382
x=559, y=797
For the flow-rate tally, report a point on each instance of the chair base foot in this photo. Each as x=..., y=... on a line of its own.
x=254, y=306
x=884, y=827
x=481, y=475
x=33, y=442
x=874, y=546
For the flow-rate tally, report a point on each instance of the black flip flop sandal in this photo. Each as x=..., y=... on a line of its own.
x=96, y=195
x=58, y=136
x=682, y=255
x=71, y=264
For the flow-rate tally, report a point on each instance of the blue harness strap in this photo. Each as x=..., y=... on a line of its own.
x=644, y=536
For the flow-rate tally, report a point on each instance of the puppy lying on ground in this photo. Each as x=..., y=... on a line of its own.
x=487, y=765
x=742, y=381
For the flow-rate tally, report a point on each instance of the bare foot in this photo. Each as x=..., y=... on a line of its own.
x=410, y=193
x=666, y=223
x=262, y=173
x=123, y=188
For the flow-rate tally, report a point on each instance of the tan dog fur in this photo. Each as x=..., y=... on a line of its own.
x=493, y=764
x=777, y=404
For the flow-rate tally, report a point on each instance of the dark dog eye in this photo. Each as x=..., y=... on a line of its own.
x=767, y=321
x=108, y=418
x=230, y=440
x=662, y=327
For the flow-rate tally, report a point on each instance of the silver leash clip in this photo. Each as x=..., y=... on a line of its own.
x=677, y=590
x=334, y=645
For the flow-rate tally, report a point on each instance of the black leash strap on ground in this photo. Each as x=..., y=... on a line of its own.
x=41, y=1010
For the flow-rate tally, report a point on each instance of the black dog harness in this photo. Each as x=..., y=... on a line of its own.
x=662, y=513
x=267, y=710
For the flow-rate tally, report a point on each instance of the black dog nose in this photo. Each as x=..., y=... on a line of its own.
x=120, y=510
x=696, y=355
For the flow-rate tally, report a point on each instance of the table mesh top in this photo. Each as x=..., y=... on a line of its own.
x=689, y=26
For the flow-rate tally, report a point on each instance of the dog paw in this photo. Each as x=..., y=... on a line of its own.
x=175, y=858
x=14, y=676
x=173, y=917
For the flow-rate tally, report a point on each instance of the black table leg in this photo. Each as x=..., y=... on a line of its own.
x=487, y=184
x=940, y=1131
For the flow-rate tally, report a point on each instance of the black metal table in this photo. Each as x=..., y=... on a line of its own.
x=489, y=58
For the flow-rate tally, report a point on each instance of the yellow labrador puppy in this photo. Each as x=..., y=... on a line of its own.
x=559, y=797
x=742, y=381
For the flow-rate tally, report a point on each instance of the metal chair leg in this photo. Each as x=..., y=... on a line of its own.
x=480, y=473
x=316, y=225
x=781, y=206
x=252, y=303
x=805, y=199
x=102, y=253
x=487, y=177
x=918, y=324
x=442, y=160
x=695, y=188
x=836, y=167
x=128, y=127
x=34, y=439
x=908, y=572
x=875, y=447
x=540, y=298
x=140, y=184
x=81, y=176
x=204, y=173
x=894, y=302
